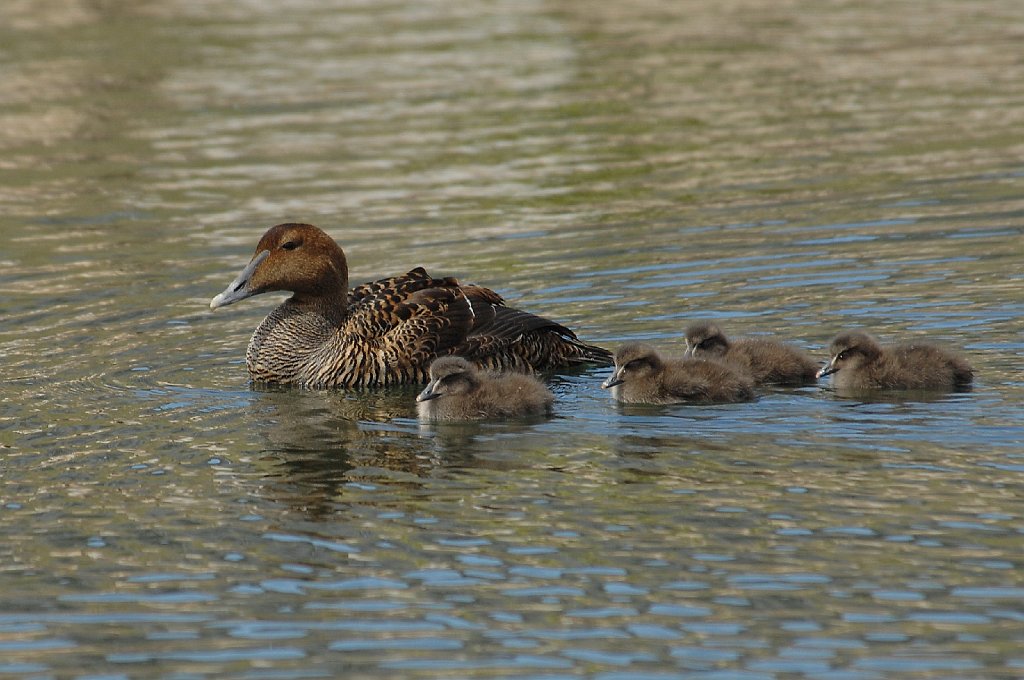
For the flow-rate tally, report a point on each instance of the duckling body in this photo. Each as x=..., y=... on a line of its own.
x=767, y=362
x=459, y=391
x=642, y=376
x=859, y=362
x=384, y=332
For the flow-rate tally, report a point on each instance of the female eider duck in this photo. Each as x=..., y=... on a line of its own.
x=384, y=332
x=459, y=391
x=642, y=376
x=768, y=362
x=859, y=362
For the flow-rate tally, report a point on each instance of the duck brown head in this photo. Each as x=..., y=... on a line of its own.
x=299, y=258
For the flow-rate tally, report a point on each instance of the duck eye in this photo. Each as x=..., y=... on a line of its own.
x=290, y=245
x=843, y=356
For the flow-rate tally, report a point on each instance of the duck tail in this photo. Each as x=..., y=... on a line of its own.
x=592, y=354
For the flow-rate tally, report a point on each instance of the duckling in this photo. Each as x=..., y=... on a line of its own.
x=642, y=376
x=766, y=361
x=859, y=362
x=458, y=391
x=385, y=332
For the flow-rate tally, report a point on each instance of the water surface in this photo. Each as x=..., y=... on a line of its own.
x=782, y=168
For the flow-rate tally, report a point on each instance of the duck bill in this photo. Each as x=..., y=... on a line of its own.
x=428, y=392
x=239, y=289
x=827, y=369
x=613, y=380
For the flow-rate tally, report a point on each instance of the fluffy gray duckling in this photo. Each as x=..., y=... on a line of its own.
x=642, y=376
x=459, y=391
x=859, y=362
x=766, y=361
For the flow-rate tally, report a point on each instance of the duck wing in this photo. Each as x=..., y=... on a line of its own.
x=503, y=338
x=415, y=318
x=414, y=315
x=401, y=286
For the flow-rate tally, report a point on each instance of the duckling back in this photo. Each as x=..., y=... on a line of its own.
x=770, y=362
x=922, y=367
x=706, y=381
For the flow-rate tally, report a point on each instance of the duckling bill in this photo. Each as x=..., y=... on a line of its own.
x=859, y=362
x=643, y=376
x=384, y=332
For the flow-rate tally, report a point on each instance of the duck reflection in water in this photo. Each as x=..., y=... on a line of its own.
x=313, y=445
x=642, y=376
x=859, y=362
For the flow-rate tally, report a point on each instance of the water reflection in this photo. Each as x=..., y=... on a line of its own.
x=317, y=443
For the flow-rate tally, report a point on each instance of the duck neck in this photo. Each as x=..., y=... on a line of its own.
x=332, y=307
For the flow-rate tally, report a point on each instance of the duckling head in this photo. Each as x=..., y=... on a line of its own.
x=448, y=376
x=299, y=258
x=705, y=339
x=633, y=361
x=849, y=351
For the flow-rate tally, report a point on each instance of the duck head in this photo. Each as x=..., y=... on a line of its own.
x=299, y=258
x=448, y=375
x=633, y=361
x=850, y=350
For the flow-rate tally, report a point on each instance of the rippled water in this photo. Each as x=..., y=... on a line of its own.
x=787, y=168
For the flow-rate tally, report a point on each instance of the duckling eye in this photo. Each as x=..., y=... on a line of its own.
x=843, y=356
x=633, y=365
x=290, y=245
